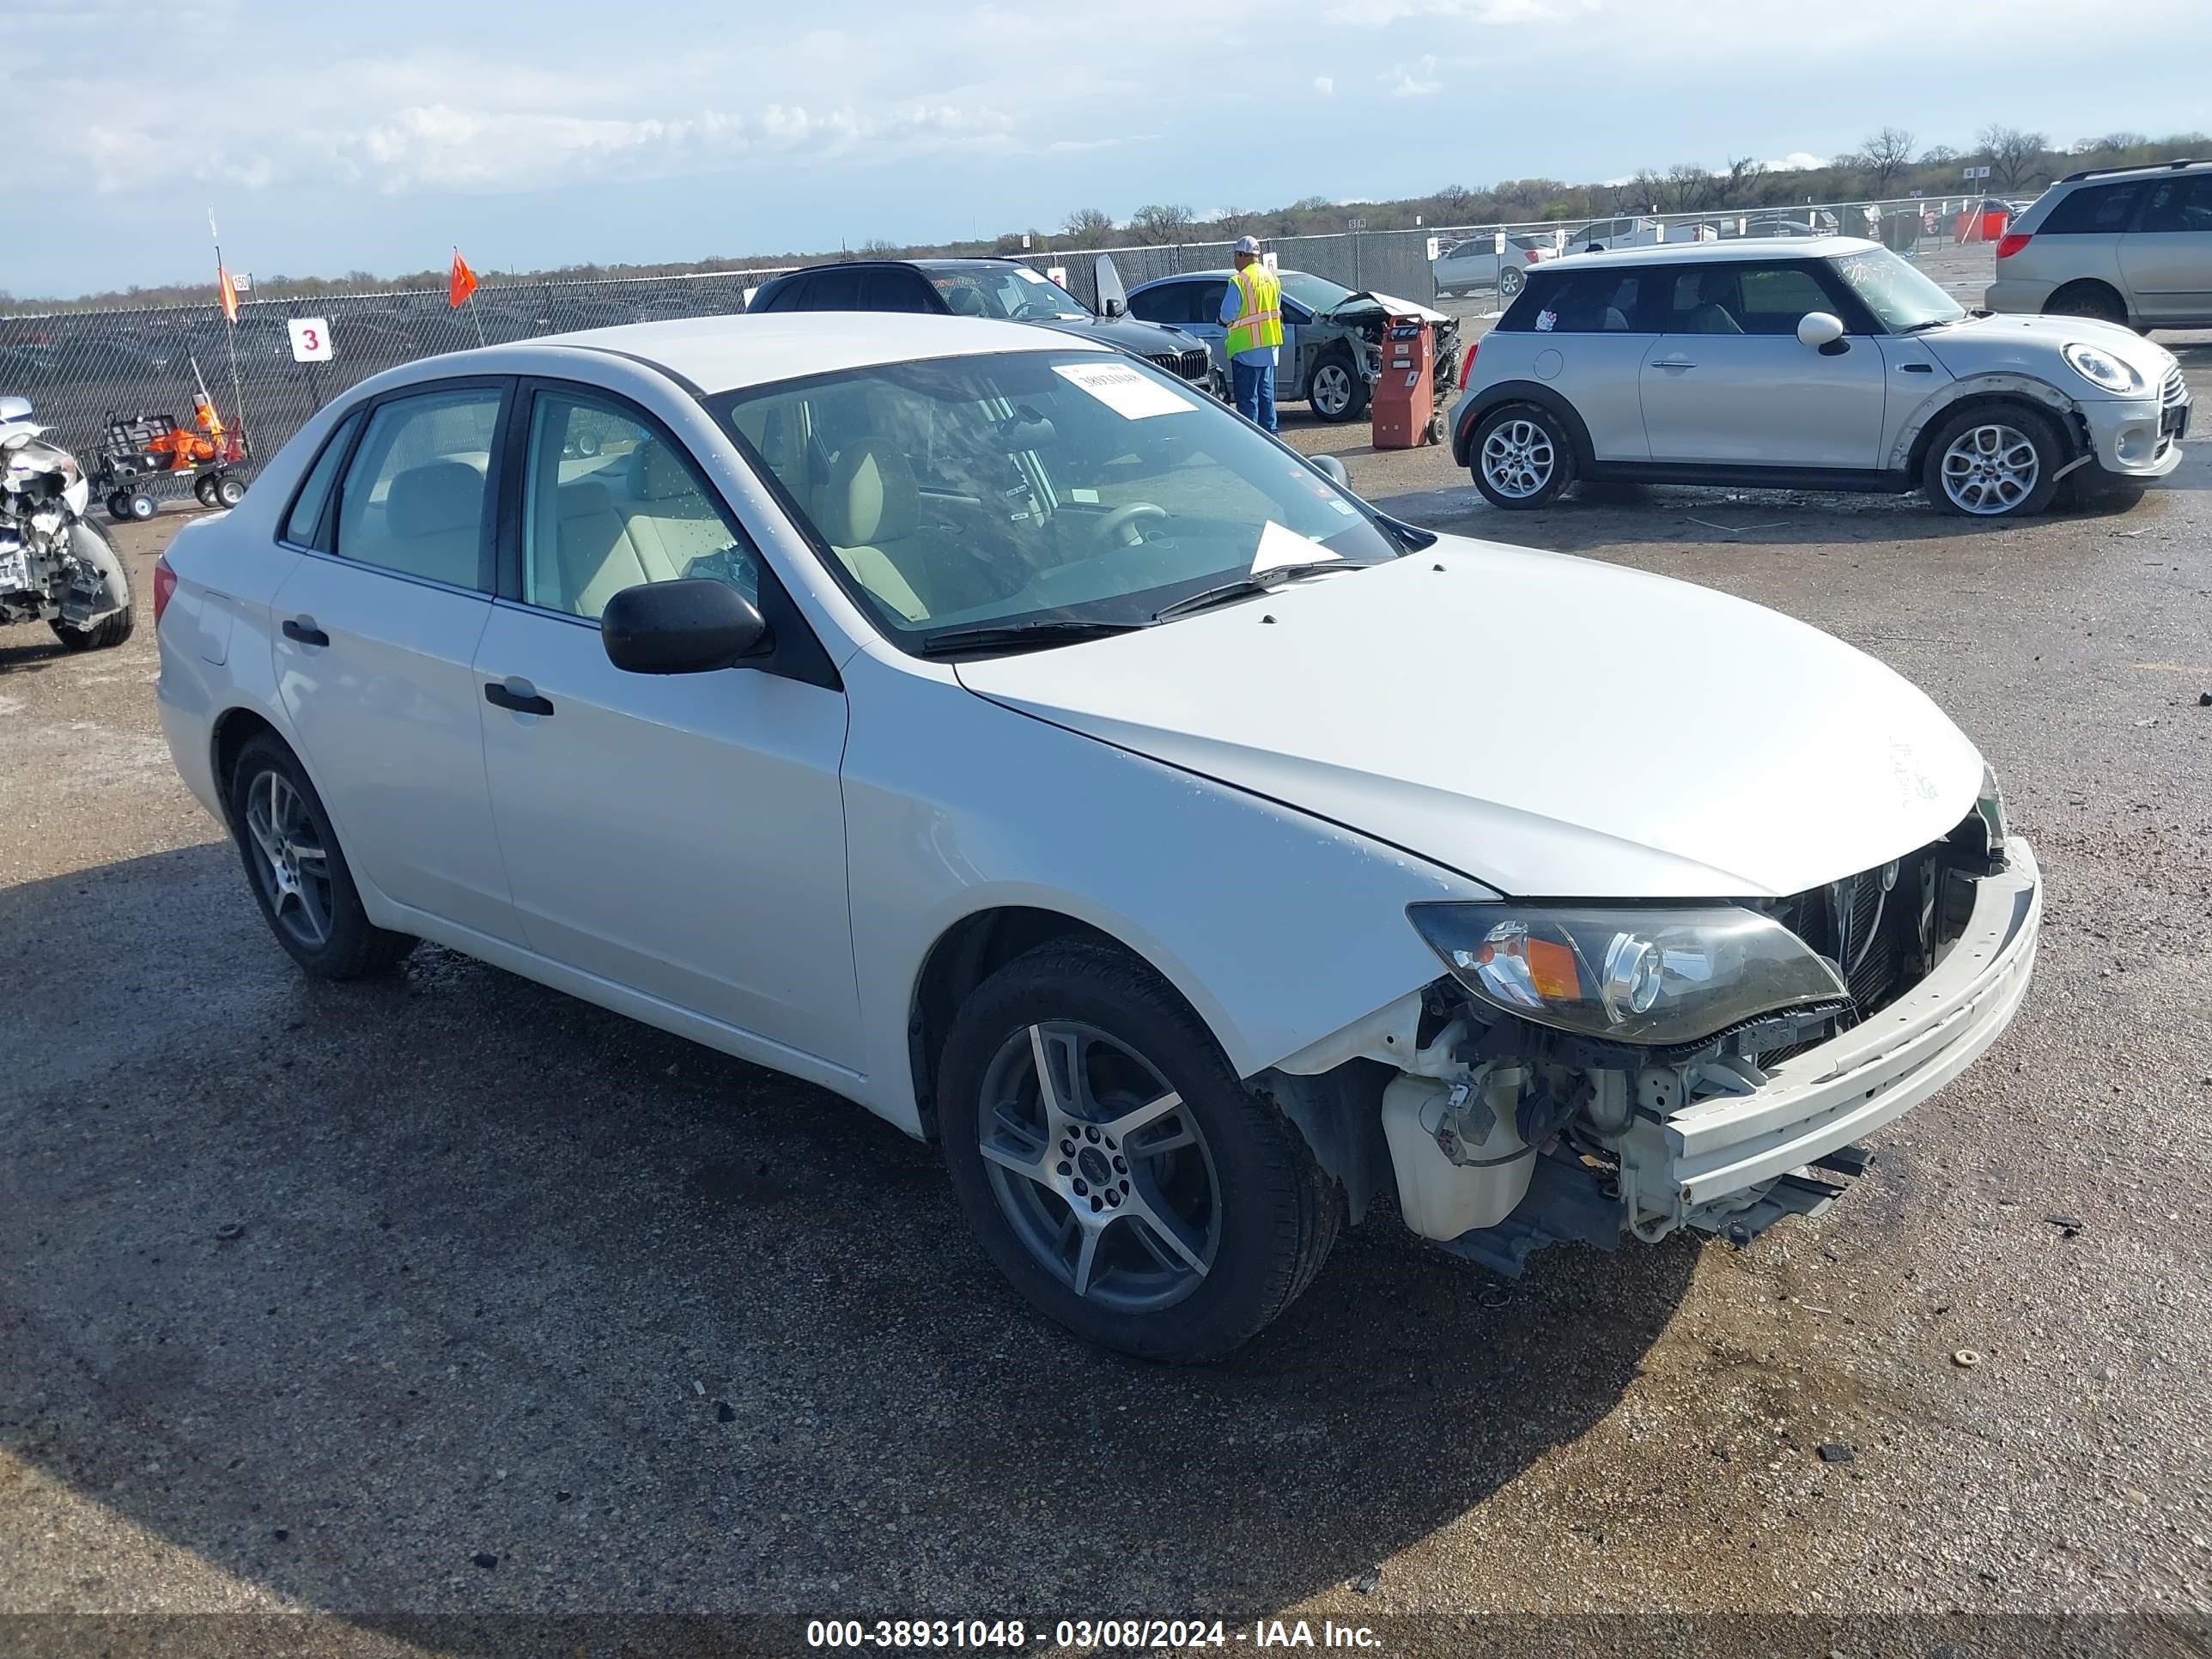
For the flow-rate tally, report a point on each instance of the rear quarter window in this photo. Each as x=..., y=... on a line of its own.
x=1607, y=301
x=2094, y=209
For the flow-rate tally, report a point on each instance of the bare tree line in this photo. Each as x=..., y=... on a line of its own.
x=1889, y=162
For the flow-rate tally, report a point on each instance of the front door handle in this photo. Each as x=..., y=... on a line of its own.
x=303, y=629
x=1917, y=368
x=1673, y=362
x=518, y=694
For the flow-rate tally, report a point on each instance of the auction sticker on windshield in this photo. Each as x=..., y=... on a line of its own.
x=1132, y=396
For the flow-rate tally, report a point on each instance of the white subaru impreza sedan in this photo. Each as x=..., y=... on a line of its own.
x=991, y=729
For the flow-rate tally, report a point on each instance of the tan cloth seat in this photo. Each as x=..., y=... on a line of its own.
x=432, y=524
x=595, y=556
x=868, y=512
x=1712, y=316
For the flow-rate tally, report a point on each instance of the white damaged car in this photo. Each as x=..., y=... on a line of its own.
x=999, y=733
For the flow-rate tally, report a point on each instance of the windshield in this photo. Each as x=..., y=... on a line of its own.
x=1010, y=293
x=1315, y=293
x=1899, y=297
x=1030, y=487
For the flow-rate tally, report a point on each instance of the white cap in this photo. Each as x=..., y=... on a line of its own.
x=1248, y=244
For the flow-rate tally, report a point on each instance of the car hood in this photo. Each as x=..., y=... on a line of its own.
x=1126, y=333
x=1551, y=727
x=1369, y=301
x=1979, y=345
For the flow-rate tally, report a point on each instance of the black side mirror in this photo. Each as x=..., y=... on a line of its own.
x=690, y=626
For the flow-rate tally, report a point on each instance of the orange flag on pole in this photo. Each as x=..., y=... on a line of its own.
x=228, y=293
x=461, y=283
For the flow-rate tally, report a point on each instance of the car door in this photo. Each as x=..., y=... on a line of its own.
x=1731, y=384
x=681, y=835
x=1596, y=339
x=2168, y=258
x=378, y=624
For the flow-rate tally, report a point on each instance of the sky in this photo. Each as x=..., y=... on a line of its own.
x=535, y=133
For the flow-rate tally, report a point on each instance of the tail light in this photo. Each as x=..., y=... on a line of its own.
x=2011, y=243
x=1467, y=365
x=165, y=584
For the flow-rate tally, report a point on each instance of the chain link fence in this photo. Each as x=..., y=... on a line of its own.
x=82, y=369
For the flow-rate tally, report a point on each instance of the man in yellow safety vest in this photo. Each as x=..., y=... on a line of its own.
x=1253, y=309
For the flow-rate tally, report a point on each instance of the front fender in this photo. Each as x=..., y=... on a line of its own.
x=1906, y=446
x=1278, y=929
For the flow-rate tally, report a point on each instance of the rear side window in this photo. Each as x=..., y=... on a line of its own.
x=413, y=499
x=1579, y=303
x=2094, y=209
x=2180, y=205
x=833, y=290
x=307, y=514
x=785, y=296
x=1168, y=303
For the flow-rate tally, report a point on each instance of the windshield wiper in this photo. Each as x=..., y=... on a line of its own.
x=1260, y=581
x=1050, y=630
x=1931, y=322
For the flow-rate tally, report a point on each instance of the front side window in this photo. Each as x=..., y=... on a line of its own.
x=1027, y=486
x=1009, y=292
x=1317, y=294
x=894, y=289
x=1776, y=298
x=608, y=503
x=2180, y=205
x=2095, y=210
x=413, y=499
x=1170, y=302
x=1902, y=299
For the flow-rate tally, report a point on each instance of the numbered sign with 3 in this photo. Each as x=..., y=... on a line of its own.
x=311, y=339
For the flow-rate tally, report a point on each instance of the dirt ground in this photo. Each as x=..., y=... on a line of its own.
x=447, y=1295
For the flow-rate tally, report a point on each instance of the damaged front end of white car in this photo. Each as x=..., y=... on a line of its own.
x=1588, y=1070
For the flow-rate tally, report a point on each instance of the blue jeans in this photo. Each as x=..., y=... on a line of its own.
x=1255, y=387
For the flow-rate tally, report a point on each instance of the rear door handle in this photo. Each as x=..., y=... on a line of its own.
x=517, y=693
x=303, y=629
x=1917, y=368
x=1673, y=362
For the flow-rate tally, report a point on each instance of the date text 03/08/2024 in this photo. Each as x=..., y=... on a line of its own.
x=1140, y=1635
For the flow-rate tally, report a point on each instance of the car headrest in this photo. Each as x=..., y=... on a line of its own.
x=434, y=497
x=870, y=496
x=1715, y=285
x=655, y=475
x=588, y=500
x=965, y=299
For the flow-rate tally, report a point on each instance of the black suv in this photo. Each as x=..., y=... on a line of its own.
x=1005, y=289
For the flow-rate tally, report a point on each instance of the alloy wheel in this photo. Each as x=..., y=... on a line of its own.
x=1099, y=1167
x=1517, y=459
x=1332, y=388
x=290, y=862
x=1990, y=468
x=1511, y=279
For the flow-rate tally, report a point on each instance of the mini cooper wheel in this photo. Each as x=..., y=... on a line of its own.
x=1521, y=456
x=298, y=870
x=1115, y=1169
x=1995, y=461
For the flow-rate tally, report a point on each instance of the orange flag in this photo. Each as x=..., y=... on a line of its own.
x=228, y=294
x=461, y=283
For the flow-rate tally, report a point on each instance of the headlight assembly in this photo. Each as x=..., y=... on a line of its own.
x=2102, y=369
x=1650, y=976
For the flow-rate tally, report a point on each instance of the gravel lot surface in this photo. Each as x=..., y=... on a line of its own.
x=447, y=1294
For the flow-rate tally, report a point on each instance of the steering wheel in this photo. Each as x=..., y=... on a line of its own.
x=1113, y=528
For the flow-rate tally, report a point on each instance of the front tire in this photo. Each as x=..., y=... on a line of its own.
x=298, y=871
x=1521, y=456
x=90, y=545
x=1993, y=461
x=1115, y=1169
x=1337, y=392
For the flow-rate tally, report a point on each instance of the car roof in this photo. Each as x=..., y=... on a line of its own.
x=2148, y=169
x=1727, y=253
x=721, y=353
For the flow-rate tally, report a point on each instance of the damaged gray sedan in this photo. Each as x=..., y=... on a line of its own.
x=54, y=561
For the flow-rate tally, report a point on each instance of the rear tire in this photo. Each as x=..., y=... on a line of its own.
x=228, y=491
x=1255, y=1212
x=2087, y=300
x=204, y=489
x=298, y=871
x=1978, y=464
x=143, y=508
x=1521, y=456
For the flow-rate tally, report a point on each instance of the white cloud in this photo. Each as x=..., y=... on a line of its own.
x=1325, y=85
x=1419, y=81
x=1376, y=14
x=1797, y=160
